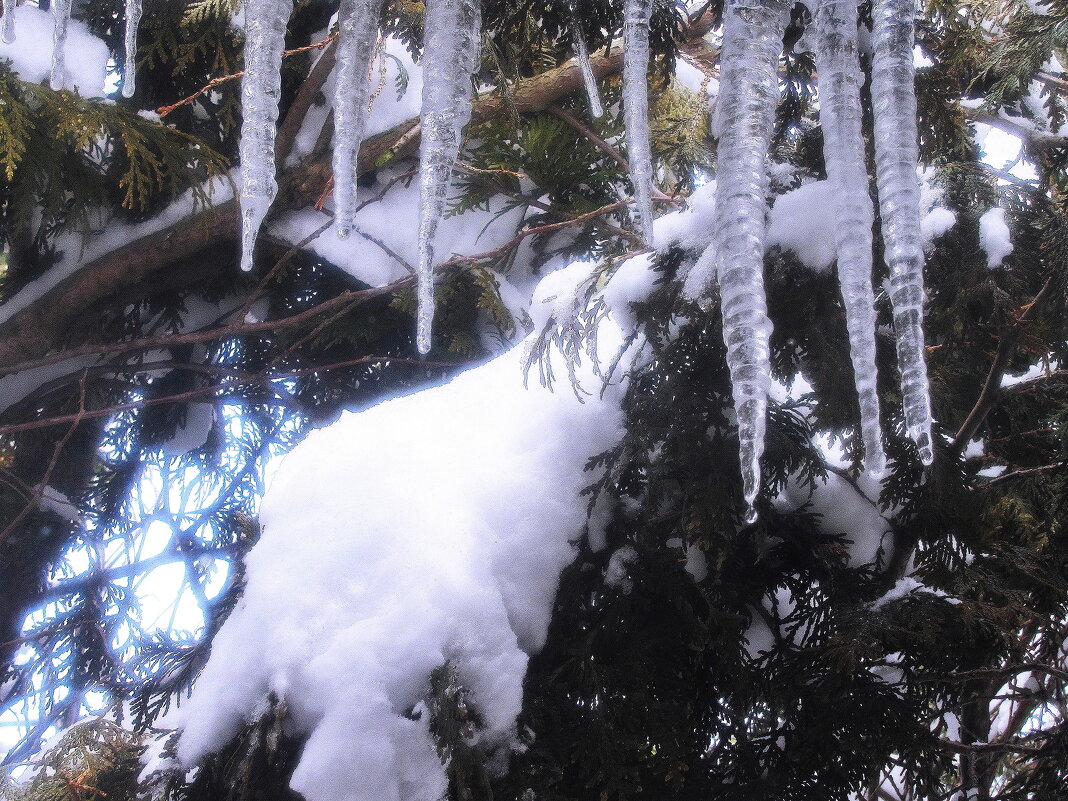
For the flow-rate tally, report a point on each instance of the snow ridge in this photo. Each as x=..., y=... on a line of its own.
x=636, y=16
x=896, y=160
x=451, y=52
x=261, y=88
x=358, y=31
x=129, y=74
x=749, y=94
x=840, y=79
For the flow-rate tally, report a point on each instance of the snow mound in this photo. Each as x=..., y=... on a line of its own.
x=430, y=528
x=994, y=237
x=803, y=221
x=85, y=56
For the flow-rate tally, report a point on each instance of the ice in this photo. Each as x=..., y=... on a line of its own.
x=362, y=584
x=61, y=16
x=261, y=87
x=451, y=51
x=636, y=15
x=749, y=93
x=129, y=75
x=85, y=56
x=840, y=80
x=9, y=21
x=896, y=160
x=358, y=29
x=582, y=55
x=994, y=237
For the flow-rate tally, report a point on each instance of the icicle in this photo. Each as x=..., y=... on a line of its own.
x=9, y=21
x=582, y=55
x=60, y=16
x=840, y=79
x=896, y=159
x=748, y=96
x=129, y=74
x=265, y=29
x=358, y=30
x=636, y=15
x=451, y=51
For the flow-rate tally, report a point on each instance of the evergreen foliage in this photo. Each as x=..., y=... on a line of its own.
x=650, y=684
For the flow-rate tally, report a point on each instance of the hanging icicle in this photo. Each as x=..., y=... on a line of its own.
x=357, y=33
x=9, y=21
x=582, y=55
x=636, y=16
x=748, y=96
x=896, y=159
x=129, y=73
x=60, y=16
x=261, y=86
x=451, y=52
x=840, y=79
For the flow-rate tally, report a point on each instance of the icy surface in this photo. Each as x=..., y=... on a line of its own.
x=261, y=87
x=840, y=80
x=994, y=237
x=129, y=75
x=451, y=52
x=582, y=55
x=749, y=93
x=428, y=528
x=358, y=29
x=85, y=55
x=636, y=15
x=896, y=159
x=61, y=17
x=9, y=22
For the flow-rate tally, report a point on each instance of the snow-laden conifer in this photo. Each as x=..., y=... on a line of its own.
x=896, y=159
x=840, y=79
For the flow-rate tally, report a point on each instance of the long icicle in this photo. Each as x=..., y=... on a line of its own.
x=896, y=159
x=451, y=51
x=636, y=16
x=129, y=73
x=9, y=21
x=582, y=55
x=840, y=79
x=358, y=30
x=261, y=87
x=60, y=17
x=748, y=96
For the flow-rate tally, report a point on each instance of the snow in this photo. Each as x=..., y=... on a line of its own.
x=636, y=15
x=429, y=528
x=994, y=237
x=802, y=221
x=85, y=56
x=451, y=53
x=752, y=41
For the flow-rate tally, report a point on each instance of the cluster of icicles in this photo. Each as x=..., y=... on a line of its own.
x=745, y=116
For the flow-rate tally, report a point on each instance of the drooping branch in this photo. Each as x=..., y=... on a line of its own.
x=40, y=327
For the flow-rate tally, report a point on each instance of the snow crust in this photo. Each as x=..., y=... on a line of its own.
x=430, y=528
x=85, y=57
x=994, y=237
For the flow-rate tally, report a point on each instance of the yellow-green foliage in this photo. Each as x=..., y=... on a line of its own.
x=94, y=761
x=65, y=155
